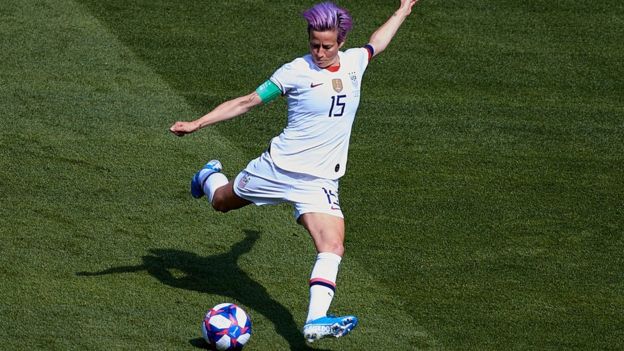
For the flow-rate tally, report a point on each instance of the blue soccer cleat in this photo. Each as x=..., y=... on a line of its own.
x=197, y=183
x=329, y=326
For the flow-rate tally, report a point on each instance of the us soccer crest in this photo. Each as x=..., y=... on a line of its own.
x=354, y=79
x=337, y=84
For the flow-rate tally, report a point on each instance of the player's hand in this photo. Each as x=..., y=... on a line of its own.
x=406, y=6
x=183, y=128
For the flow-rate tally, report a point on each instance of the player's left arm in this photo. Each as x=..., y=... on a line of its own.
x=384, y=34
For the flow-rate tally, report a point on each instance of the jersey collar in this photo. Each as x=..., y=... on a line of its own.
x=333, y=68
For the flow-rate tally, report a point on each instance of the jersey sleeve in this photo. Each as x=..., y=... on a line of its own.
x=286, y=76
x=360, y=56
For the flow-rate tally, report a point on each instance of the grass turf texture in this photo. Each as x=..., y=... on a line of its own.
x=483, y=197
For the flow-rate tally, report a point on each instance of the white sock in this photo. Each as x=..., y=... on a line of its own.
x=214, y=182
x=322, y=284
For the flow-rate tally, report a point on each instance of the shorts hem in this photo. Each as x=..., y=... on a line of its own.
x=338, y=214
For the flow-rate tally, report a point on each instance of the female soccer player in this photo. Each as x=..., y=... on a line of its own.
x=304, y=163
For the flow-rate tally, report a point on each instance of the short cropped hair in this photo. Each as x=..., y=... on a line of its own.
x=327, y=16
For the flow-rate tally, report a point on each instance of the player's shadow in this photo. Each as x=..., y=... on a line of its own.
x=218, y=274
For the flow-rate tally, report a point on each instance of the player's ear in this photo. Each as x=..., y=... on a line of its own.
x=341, y=44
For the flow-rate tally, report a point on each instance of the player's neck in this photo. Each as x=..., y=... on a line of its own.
x=333, y=68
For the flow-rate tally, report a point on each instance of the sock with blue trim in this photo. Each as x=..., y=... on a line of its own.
x=322, y=284
x=212, y=183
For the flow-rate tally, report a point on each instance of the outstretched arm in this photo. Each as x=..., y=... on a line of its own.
x=226, y=110
x=384, y=34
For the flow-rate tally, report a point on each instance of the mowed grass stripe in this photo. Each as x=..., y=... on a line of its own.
x=95, y=182
x=85, y=186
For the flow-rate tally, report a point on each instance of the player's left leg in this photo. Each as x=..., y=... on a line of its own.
x=327, y=232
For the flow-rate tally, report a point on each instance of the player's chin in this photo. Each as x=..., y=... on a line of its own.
x=321, y=63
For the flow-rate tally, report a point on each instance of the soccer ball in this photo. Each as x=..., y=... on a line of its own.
x=226, y=327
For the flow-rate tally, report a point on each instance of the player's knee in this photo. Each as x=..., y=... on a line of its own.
x=224, y=199
x=220, y=202
x=333, y=245
x=219, y=206
x=339, y=249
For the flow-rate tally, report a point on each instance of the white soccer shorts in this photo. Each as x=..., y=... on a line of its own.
x=263, y=183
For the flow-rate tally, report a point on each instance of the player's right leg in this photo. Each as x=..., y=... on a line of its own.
x=211, y=182
x=200, y=178
x=225, y=199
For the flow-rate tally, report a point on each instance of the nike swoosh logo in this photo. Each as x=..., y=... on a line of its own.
x=312, y=85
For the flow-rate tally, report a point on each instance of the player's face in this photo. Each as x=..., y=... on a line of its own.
x=324, y=48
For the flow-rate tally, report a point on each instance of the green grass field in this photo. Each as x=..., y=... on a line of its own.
x=484, y=198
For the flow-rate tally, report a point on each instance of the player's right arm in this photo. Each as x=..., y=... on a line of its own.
x=224, y=111
x=265, y=93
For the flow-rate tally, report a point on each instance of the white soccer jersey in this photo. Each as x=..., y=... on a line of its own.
x=321, y=110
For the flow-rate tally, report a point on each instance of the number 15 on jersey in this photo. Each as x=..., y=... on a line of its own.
x=337, y=106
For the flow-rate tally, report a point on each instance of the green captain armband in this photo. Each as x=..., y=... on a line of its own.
x=268, y=91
